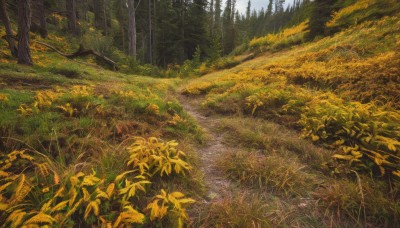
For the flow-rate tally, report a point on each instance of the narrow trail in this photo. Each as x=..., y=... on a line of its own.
x=217, y=184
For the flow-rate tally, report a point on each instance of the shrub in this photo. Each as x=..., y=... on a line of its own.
x=87, y=199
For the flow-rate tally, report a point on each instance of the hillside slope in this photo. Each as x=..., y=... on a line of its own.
x=303, y=135
x=83, y=146
x=340, y=93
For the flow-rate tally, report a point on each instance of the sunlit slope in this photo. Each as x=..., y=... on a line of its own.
x=341, y=91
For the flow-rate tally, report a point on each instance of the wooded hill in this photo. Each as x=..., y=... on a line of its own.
x=161, y=33
x=275, y=118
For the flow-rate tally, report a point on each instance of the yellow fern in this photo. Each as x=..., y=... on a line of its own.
x=39, y=219
x=129, y=216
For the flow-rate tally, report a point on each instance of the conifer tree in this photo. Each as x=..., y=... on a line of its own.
x=321, y=13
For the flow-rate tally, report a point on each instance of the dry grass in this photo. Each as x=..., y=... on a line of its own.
x=276, y=173
x=361, y=200
x=268, y=136
x=240, y=210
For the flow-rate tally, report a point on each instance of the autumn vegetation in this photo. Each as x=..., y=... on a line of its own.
x=313, y=117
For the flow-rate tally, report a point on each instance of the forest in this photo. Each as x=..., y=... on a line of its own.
x=199, y=113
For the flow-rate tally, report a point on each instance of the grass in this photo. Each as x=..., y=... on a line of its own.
x=268, y=136
x=318, y=90
x=72, y=117
x=362, y=201
x=276, y=173
x=240, y=210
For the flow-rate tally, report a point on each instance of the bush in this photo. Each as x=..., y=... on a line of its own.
x=80, y=198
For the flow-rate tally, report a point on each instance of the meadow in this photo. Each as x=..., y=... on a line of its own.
x=301, y=133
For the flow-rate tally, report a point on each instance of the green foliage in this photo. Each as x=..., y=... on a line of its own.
x=320, y=15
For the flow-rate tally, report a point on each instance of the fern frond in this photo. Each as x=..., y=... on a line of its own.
x=40, y=218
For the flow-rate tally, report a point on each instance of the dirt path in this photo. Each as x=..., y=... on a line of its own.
x=217, y=184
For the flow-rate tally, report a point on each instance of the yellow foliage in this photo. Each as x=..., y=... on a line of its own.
x=67, y=108
x=86, y=194
x=154, y=157
x=39, y=219
x=358, y=5
x=198, y=88
x=16, y=218
x=129, y=216
x=81, y=91
x=361, y=110
x=295, y=29
x=131, y=187
x=153, y=109
x=25, y=110
x=3, y=97
x=45, y=98
x=176, y=119
x=173, y=204
x=272, y=39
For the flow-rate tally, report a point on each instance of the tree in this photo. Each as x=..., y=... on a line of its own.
x=71, y=16
x=150, y=34
x=212, y=17
x=195, y=28
x=279, y=6
x=269, y=9
x=248, y=10
x=228, y=33
x=132, y=29
x=98, y=10
x=38, y=23
x=321, y=14
x=6, y=21
x=24, y=23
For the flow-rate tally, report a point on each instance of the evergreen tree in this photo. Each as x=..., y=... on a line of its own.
x=269, y=9
x=248, y=10
x=279, y=6
x=321, y=14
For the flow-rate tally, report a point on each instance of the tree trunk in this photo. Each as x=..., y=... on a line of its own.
x=150, y=35
x=98, y=8
x=6, y=21
x=71, y=16
x=82, y=8
x=105, y=21
x=182, y=32
x=24, y=23
x=132, y=28
x=154, y=35
x=42, y=19
x=212, y=18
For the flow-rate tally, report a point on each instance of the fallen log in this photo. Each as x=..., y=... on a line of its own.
x=79, y=53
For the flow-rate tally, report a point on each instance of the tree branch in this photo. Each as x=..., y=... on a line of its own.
x=80, y=52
